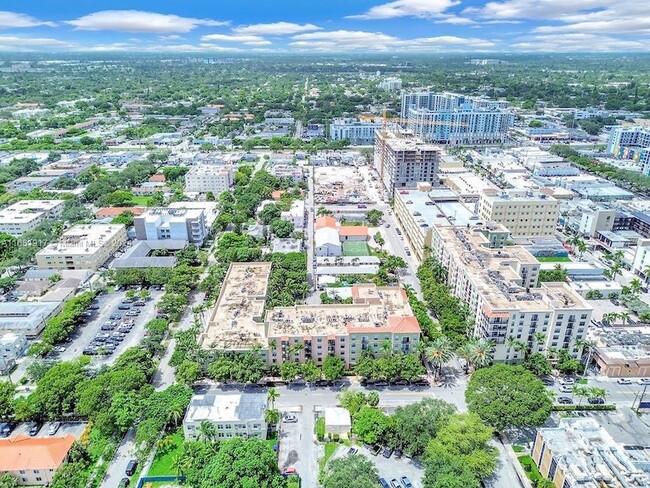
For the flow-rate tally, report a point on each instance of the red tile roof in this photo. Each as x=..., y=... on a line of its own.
x=325, y=221
x=277, y=194
x=157, y=178
x=396, y=324
x=353, y=230
x=28, y=453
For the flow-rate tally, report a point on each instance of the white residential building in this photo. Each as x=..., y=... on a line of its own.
x=499, y=285
x=391, y=84
x=209, y=178
x=525, y=213
x=403, y=161
x=327, y=242
x=181, y=224
x=83, y=247
x=358, y=132
x=12, y=347
x=295, y=215
x=26, y=215
x=232, y=413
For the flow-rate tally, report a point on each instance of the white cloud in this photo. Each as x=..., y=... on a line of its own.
x=579, y=42
x=14, y=43
x=275, y=29
x=243, y=39
x=404, y=8
x=139, y=21
x=12, y=20
x=538, y=9
x=343, y=40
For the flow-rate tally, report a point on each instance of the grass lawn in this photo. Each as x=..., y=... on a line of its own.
x=140, y=201
x=581, y=381
x=162, y=464
x=330, y=448
x=529, y=467
x=554, y=259
x=517, y=448
x=355, y=249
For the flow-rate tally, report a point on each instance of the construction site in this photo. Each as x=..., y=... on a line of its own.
x=340, y=184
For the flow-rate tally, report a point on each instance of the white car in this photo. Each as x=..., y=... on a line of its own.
x=643, y=381
x=566, y=389
x=624, y=381
x=567, y=381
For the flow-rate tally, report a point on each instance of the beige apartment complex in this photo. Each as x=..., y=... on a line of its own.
x=499, y=284
x=83, y=247
x=209, y=178
x=26, y=215
x=524, y=212
x=302, y=332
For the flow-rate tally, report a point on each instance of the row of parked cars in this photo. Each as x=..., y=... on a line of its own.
x=116, y=328
x=6, y=428
x=378, y=383
x=387, y=452
x=404, y=482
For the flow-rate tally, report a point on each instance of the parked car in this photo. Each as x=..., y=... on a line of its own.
x=383, y=483
x=139, y=303
x=5, y=429
x=624, y=381
x=290, y=418
x=131, y=467
x=54, y=428
x=124, y=482
x=59, y=348
x=567, y=381
x=89, y=351
x=115, y=316
x=395, y=484
x=132, y=313
x=375, y=450
x=361, y=205
x=352, y=451
x=548, y=381
x=93, y=306
x=124, y=307
x=388, y=452
x=289, y=470
x=397, y=454
x=563, y=400
x=566, y=389
x=107, y=327
x=596, y=401
x=643, y=381
x=406, y=482
x=128, y=300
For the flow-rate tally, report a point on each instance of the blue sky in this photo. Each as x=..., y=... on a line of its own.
x=401, y=26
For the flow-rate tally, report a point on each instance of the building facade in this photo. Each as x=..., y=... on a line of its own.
x=26, y=215
x=450, y=118
x=403, y=161
x=358, y=132
x=391, y=84
x=83, y=247
x=209, y=178
x=181, y=224
x=524, y=213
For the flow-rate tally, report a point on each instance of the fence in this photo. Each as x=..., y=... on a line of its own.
x=151, y=479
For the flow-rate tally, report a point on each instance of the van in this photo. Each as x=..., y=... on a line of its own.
x=131, y=467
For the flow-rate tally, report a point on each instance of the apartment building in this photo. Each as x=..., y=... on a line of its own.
x=181, y=224
x=358, y=132
x=238, y=321
x=525, y=213
x=83, y=247
x=579, y=452
x=628, y=142
x=390, y=84
x=209, y=178
x=450, y=118
x=26, y=215
x=233, y=414
x=403, y=160
x=499, y=284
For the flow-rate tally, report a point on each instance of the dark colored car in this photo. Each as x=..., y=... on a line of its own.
x=131, y=467
x=406, y=482
x=115, y=316
x=383, y=483
x=33, y=430
x=596, y=401
x=388, y=452
x=352, y=451
x=139, y=303
x=565, y=400
x=124, y=482
x=94, y=306
x=397, y=454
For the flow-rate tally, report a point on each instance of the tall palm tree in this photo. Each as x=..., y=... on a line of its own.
x=635, y=287
x=580, y=392
x=465, y=352
x=386, y=347
x=439, y=352
x=272, y=395
x=624, y=316
x=539, y=338
x=596, y=393
x=180, y=464
x=585, y=345
x=614, y=270
x=272, y=417
x=581, y=247
x=207, y=431
x=175, y=414
x=510, y=344
x=610, y=318
x=482, y=353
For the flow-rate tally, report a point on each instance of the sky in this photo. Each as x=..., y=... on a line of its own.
x=304, y=26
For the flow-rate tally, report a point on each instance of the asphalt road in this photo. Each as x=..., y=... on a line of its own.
x=621, y=395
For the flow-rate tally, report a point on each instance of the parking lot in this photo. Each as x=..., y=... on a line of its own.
x=65, y=428
x=107, y=305
x=391, y=468
x=298, y=449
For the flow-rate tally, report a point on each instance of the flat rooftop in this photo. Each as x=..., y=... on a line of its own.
x=236, y=321
x=516, y=195
x=439, y=207
x=84, y=239
x=18, y=316
x=374, y=309
x=215, y=405
x=493, y=272
x=27, y=210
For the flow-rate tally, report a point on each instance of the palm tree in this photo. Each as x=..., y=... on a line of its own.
x=614, y=270
x=465, y=352
x=271, y=416
x=585, y=345
x=610, y=318
x=180, y=464
x=539, y=338
x=207, y=431
x=510, y=343
x=386, y=347
x=272, y=395
x=635, y=287
x=439, y=352
x=624, y=316
x=581, y=392
x=520, y=346
x=618, y=256
x=544, y=483
x=581, y=247
x=482, y=353
x=175, y=414
x=596, y=393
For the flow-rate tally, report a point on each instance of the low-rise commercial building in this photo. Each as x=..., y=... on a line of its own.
x=580, y=453
x=523, y=212
x=26, y=215
x=238, y=322
x=181, y=224
x=209, y=178
x=623, y=351
x=12, y=347
x=233, y=414
x=26, y=318
x=338, y=421
x=83, y=247
x=34, y=460
x=499, y=285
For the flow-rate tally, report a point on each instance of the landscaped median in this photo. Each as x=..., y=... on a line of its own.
x=578, y=408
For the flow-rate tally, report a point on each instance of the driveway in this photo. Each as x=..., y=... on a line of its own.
x=299, y=449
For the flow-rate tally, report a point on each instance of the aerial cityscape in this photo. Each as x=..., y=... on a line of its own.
x=391, y=244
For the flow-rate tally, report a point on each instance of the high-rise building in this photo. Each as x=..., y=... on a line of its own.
x=499, y=284
x=525, y=213
x=631, y=143
x=403, y=161
x=391, y=84
x=450, y=118
x=358, y=132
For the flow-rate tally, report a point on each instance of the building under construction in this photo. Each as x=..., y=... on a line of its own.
x=403, y=160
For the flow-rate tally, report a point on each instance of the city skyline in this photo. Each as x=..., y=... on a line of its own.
x=373, y=26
